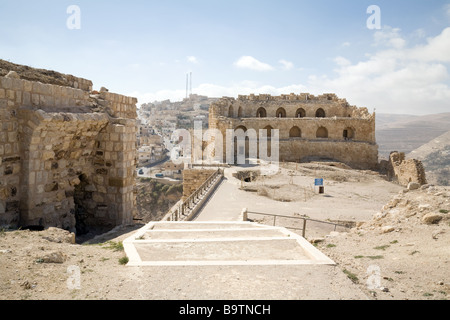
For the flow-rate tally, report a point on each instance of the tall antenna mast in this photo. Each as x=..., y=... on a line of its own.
x=191, y=83
x=187, y=84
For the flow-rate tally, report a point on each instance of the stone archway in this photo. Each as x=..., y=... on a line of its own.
x=240, y=112
x=320, y=113
x=281, y=113
x=322, y=132
x=295, y=132
x=230, y=112
x=300, y=113
x=261, y=113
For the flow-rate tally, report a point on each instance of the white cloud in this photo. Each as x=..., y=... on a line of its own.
x=345, y=44
x=192, y=59
x=248, y=62
x=389, y=37
x=395, y=79
x=287, y=65
x=437, y=48
x=341, y=61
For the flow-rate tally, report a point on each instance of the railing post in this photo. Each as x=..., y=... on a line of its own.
x=304, y=228
x=244, y=214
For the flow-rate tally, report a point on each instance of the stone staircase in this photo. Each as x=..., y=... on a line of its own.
x=219, y=243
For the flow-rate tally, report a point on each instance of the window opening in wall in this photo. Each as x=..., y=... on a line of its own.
x=261, y=113
x=300, y=113
x=240, y=112
x=281, y=113
x=230, y=112
x=320, y=113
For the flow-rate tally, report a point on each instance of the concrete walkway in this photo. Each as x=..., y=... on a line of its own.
x=219, y=243
x=218, y=257
x=231, y=261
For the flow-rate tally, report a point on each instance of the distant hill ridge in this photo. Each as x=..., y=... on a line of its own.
x=406, y=133
x=435, y=156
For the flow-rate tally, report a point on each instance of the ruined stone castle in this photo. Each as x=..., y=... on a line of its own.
x=310, y=127
x=67, y=153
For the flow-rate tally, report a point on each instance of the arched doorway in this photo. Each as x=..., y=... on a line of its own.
x=241, y=143
x=322, y=132
x=349, y=133
x=295, y=132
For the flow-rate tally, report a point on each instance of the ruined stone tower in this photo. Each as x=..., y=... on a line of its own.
x=67, y=153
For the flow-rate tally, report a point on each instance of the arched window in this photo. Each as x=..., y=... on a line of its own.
x=320, y=113
x=231, y=112
x=261, y=113
x=240, y=112
x=322, y=132
x=349, y=134
x=295, y=132
x=300, y=113
x=242, y=128
x=281, y=113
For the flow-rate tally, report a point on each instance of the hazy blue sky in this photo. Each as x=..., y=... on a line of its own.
x=145, y=48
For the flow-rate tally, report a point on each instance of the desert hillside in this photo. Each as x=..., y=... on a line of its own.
x=406, y=133
x=435, y=155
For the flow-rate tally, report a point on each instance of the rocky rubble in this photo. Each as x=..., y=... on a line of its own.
x=428, y=205
x=407, y=243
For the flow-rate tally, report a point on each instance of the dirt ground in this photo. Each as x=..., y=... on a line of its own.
x=400, y=248
x=403, y=253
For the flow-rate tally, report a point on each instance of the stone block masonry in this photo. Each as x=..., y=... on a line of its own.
x=193, y=179
x=403, y=171
x=67, y=154
x=310, y=127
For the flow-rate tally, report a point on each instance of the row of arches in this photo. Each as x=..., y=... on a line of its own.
x=296, y=132
x=280, y=113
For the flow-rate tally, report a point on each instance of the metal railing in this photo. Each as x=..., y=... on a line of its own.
x=304, y=218
x=182, y=211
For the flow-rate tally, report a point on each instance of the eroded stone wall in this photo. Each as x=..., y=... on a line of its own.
x=67, y=155
x=193, y=179
x=404, y=170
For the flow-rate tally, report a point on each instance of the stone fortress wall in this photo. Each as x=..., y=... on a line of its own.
x=310, y=127
x=67, y=154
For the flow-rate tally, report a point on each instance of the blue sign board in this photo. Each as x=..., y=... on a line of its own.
x=318, y=182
